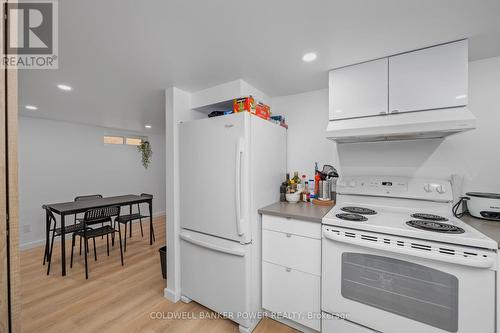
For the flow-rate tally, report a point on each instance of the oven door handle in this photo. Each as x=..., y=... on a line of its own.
x=480, y=262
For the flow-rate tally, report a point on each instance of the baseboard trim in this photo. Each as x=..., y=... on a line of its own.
x=171, y=295
x=40, y=242
x=30, y=245
x=290, y=323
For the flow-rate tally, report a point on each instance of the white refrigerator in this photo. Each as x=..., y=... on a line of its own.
x=230, y=167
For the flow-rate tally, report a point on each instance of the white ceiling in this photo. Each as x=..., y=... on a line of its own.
x=119, y=55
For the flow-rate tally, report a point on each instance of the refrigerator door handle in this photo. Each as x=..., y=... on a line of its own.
x=214, y=247
x=239, y=156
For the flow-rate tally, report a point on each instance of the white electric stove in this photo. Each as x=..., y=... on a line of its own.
x=395, y=257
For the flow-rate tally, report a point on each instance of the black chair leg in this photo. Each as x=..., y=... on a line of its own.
x=107, y=243
x=120, y=236
x=72, y=247
x=153, y=232
x=113, y=234
x=140, y=222
x=95, y=252
x=46, y=251
x=86, y=245
x=125, y=240
x=130, y=229
x=49, y=259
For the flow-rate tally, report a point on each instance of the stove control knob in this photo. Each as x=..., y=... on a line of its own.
x=441, y=189
x=427, y=188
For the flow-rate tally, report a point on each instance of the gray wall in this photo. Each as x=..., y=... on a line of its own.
x=60, y=160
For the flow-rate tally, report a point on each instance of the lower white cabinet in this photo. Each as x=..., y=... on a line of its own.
x=291, y=293
x=291, y=269
x=498, y=296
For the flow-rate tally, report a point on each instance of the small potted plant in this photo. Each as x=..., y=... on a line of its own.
x=146, y=152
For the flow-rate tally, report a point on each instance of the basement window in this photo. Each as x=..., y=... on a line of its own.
x=113, y=140
x=123, y=140
x=133, y=141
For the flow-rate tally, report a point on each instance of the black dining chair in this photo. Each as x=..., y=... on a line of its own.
x=56, y=231
x=85, y=197
x=92, y=217
x=129, y=218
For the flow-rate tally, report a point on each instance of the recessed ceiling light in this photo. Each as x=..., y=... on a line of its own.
x=147, y=126
x=64, y=87
x=31, y=107
x=308, y=57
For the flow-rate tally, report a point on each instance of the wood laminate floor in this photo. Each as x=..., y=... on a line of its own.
x=114, y=298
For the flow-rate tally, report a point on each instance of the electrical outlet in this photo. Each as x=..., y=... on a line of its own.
x=26, y=228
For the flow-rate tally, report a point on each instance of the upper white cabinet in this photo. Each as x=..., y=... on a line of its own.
x=426, y=79
x=359, y=90
x=431, y=78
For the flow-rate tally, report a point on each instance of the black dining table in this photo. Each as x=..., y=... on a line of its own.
x=64, y=209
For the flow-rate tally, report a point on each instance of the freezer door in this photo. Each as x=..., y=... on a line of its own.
x=215, y=273
x=213, y=168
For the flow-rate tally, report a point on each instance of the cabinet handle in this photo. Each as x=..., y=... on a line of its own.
x=395, y=111
x=288, y=218
x=288, y=269
x=382, y=112
x=288, y=235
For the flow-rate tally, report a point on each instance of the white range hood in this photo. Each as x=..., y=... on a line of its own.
x=402, y=126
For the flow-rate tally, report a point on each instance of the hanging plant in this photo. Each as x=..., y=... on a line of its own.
x=146, y=152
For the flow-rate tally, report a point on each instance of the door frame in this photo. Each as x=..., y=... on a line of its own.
x=10, y=280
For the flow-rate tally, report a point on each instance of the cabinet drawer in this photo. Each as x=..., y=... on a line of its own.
x=289, y=250
x=292, y=226
x=292, y=292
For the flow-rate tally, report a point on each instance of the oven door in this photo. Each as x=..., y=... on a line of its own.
x=394, y=284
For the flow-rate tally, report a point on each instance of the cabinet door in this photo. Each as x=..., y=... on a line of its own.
x=430, y=78
x=291, y=293
x=359, y=90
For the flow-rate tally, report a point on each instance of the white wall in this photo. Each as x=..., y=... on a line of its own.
x=474, y=154
x=60, y=160
x=307, y=117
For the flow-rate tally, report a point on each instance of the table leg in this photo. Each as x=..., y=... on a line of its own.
x=47, y=226
x=63, y=247
x=130, y=212
x=151, y=222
